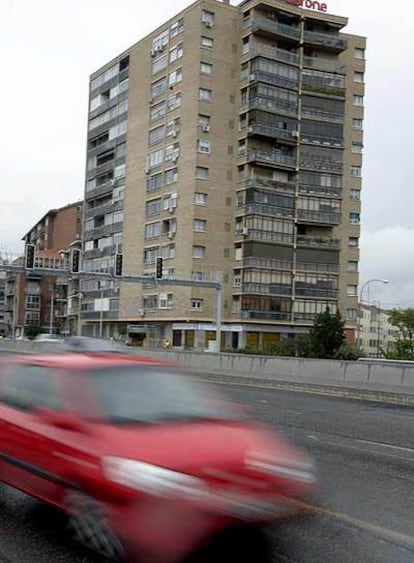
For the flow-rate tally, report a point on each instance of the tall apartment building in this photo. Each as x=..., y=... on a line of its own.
x=228, y=142
x=39, y=300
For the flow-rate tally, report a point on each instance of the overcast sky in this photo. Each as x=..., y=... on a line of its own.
x=49, y=48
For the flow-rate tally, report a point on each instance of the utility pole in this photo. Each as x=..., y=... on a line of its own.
x=219, y=306
x=101, y=310
x=52, y=309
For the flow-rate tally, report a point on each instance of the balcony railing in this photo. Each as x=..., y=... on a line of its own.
x=325, y=40
x=323, y=115
x=106, y=208
x=322, y=140
x=320, y=88
x=268, y=263
x=265, y=130
x=318, y=241
x=319, y=216
x=266, y=209
x=277, y=106
x=263, y=50
x=102, y=190
x=259, y=182
x=316, y=292
x=266, y=315
x=273, y=79
x=274, y=27
x=267, y=289
x=272, y=158
x=313, y=162
x=321, y=191
x=269, y=236
x=104, y=230
x=325, y=65
x=317, y=267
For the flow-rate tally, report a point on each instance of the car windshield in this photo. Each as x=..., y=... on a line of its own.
x=142, y=394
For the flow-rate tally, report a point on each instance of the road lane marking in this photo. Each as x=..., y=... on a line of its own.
x=384, y=445
x=397, y=538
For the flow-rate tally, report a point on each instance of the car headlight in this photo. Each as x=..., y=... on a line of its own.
x=298, y=470
x=151, y=479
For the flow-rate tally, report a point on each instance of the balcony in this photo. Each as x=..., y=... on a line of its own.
x=322, y=115
x=317, y=267
x=273, y=53
x=273, y=105
x=267, y=236
x=316, y=293
x=104, y=189
x=331, y=42
x=259, y=182
x=321, y=191
x=266, y=26
x=321, y=140
x=266, y=130
x=330, y=218
x=103, y=231
x=100, y=252
x=273, y=79
x=271, y=158
x=318, y=241
x=266, y=315
x=268, y=263
x=324, y=65
x=327, y=89
x=267, y=289
x=266, y=209
x=311, y=162
x=105, y=208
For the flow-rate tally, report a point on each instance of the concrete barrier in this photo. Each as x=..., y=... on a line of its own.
x=371, y=376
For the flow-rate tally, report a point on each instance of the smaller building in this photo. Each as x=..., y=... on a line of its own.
x=376, y=333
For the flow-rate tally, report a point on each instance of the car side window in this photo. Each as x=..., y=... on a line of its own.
x=28, y=386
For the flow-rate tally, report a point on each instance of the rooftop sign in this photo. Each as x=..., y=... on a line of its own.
x=309, y=4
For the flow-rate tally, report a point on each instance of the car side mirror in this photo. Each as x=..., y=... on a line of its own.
x=66, y=420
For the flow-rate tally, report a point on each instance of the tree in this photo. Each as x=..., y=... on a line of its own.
x=32, y=331
x=327, y=335
x=403, y=347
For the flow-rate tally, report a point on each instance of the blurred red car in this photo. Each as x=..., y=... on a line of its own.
x=141, y=458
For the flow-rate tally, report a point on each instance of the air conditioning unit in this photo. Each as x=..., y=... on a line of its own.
x=252, y=77
x=245, y=231
x=250, y=129
x=153, y=52
x=151, y=101
x=141, y=312
x=174, y=133
x=170, y=234
x=147, y=170
x=295, y=134
x=206, y=128
x=208, y=24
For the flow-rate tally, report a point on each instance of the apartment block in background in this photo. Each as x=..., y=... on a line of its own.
x=41, y=301
x=376, y=334
x=228, y=142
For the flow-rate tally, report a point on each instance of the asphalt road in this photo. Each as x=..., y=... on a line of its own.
x=365, y=458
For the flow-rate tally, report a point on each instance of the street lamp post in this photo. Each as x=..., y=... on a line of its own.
x=366, y=284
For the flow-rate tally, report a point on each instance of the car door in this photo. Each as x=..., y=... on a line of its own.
x=26, y=436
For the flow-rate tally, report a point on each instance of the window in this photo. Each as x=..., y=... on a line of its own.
x=351, y=314
x=176, y=53
x=175, y=77
x=150, y=254
x=207, y=18
x=238, y=253
x=355, y=194
x=237, y=278
x=160, y=41
x=104, y=77
x=352, y=266
x=358, y=101
x=353, y=242
x=158, y=87
x=177, y=28
x=153, y=207
x=155, y=158
x=206, y=68
x=205, y=95
x=108, y=115
x=207, y=42
x=154, y=182
x=202, y=173
x=174, y=102
x=32, y=302
x=359, y=77
x=356, y=171
x=204, y=146
x=157, y=111
x=200, y=198
x=172, y=152
x=359, y=53
x=199, y=251
x=171, y=176
x=354, y=218
x=197, y=304
x=159, y=64
x=357, y=124
x=356, y=148
x=199, y=225
x=28, y=387
x=204, y=122
x=351, y=290
x=152, y=230
x=169, y=202
x=197, y=276
x=173, y=127
x=150, y=302
x=165, y=300
x=156, y=135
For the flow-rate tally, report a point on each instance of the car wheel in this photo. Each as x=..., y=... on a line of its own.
x=88, y=524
